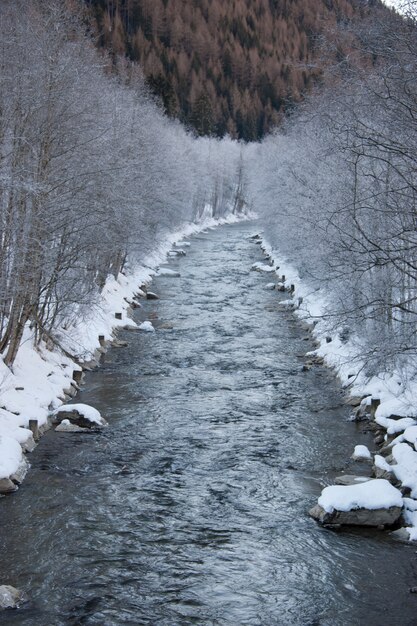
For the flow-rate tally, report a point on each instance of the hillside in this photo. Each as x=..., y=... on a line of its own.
x=223, y=67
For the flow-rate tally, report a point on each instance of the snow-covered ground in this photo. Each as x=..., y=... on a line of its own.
x=36, y=387
x=396, y=392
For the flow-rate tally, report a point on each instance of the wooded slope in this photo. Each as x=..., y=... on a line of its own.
x=221, y=66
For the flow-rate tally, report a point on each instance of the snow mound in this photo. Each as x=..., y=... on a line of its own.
x=361, y=452
x=11, y=456
x=372, y=495
x=405, y=468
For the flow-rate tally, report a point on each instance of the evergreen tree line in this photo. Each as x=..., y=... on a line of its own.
x=337, y=190
x=91, y=171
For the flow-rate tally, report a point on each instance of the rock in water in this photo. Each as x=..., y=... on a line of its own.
x=372, y=503
x=10, y=597
x=81, y=415
x=7, y=486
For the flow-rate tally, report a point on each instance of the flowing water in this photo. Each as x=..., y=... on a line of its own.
x=191, y=508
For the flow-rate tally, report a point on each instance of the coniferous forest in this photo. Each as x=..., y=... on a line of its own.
x=230, y=67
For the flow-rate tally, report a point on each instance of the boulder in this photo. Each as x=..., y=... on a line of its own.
x=150, y=295
x=81, y=415
x=356, y=517
x=10, y=597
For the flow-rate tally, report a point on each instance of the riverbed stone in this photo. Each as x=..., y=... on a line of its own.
x=353, y=400
x=19, y=475
x=401, y=534
x=356, y=517
x=351, y=479
x=119, y=343
x=10, y=597
x=7, y=486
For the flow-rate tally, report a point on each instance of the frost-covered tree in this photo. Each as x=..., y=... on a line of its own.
x=91, y=171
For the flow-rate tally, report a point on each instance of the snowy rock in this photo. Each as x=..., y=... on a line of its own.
x=147, y=327
x=167, y=272
x=270, y=286
x=19, y=475
x=361, y=453
x=10, y=597
x=81, y=415
x=262, y=267
x=178, y=252
x=150, y=295
x=372, y=503
x=382, y=469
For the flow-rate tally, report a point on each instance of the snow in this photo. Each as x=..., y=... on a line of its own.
x=374, y=494
x=405, y=467
x=87, y=411
x=395, y=426
x=11, y=456
x=361, y=452
x=382, y=464
x=147, y=327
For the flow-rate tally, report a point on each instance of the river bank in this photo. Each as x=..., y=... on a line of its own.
x=48, y=375
x=387, y=401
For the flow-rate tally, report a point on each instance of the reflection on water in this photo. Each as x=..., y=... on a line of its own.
x=191, y=507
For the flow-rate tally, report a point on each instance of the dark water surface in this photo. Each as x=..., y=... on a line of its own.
x=191, y=507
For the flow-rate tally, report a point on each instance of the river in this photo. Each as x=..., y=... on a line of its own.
x=191, y=508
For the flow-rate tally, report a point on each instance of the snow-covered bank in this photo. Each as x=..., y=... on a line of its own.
x=44, y=377
x=388, y=400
